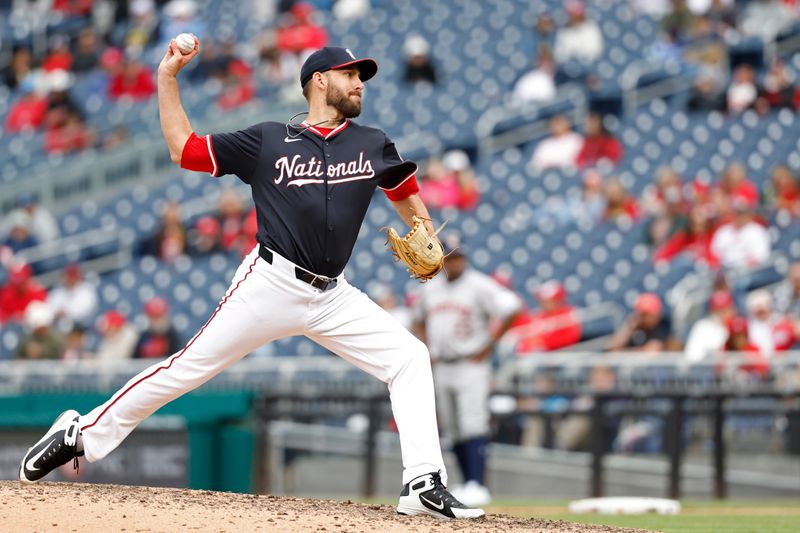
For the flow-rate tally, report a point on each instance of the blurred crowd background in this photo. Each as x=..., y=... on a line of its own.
x=628, y=167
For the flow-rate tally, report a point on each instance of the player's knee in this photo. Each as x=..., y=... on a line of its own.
x=417, y=352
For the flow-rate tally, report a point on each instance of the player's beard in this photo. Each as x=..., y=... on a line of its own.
x=340, y=101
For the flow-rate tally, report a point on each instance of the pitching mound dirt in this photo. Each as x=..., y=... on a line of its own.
x=74, y=507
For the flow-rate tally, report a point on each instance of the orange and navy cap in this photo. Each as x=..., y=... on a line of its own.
x=332, y=58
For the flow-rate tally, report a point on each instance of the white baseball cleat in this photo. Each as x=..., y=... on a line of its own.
x=58, y=446
x=426, y=495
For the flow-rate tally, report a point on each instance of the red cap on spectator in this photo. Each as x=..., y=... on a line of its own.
x=207, y=226
x=156, y=307
x=648, y=303
x=20, y=273
x=742, y=202
x=111, y=58
x=112, y=319
x=551, y=290
x=737, y=324
x=720, y=300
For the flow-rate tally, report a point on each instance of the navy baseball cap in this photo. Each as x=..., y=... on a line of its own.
x=333, y=57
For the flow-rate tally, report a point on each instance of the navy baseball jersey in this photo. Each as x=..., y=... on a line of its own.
x=312, y=188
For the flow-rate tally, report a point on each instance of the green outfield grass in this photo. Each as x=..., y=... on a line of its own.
x=756, y=516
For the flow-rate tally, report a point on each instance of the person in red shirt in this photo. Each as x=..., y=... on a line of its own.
x=231, y=216
x=59, y=57
x=598, y=144
x=20, y=290
x=555, y=325
x=450, y=183
x=619, y=205
x=694, y=240
x=71, y=136
x=239, y=87
x=783, y=191
x=733, y=183
x=738, y=341
x=133, y=81
x=27, y=112
x=301, y=33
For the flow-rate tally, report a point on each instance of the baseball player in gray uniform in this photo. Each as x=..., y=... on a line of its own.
x=455, y=317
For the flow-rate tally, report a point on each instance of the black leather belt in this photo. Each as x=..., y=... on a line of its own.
x=318, y=282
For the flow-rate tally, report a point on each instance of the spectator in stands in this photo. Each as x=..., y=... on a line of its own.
x=742, y=92
x=204, y=240
x=742, y=243
x=59, y=56
x=28, y=112
x=41, y=341
x=645, y=330
x=70, y=135
x=170, y=240
x=667, y=189
x=59, y=101
x=539, y=85
x=73, y=8
x=694, y=240
x=18, y=69
x=300, y=35
x=450, y=183
x=114, y=139
x=600, y=147
x=160, y=338
x=733, y=184
x=238, y=85
x=231, y=216
x=709, y=334
x=43, y=224
x=620, y=206
x=768, y=330
x=119, y=337
x=418, y=64
x=707, y=94
x=561, y=149
x=580, y=39
x=787, y=295
x=143, y=27
x=553, y=326
x=179, y=16
x=766, y=19
x=664, y=225
x=75, y=300
x=777, y=89
x=133, y=80
x=754, y=362
x=75, y=348
x=19, y=232
x=679, y=20
x=87, y=53
x=782, y=193
x=18, y=292
x=275, y=66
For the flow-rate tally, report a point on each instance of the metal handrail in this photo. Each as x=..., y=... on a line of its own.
x=489, y=142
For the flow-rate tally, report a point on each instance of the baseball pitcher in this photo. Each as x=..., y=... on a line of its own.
x=311, y=183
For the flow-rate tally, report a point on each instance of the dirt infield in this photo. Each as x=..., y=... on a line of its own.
x=75, y=507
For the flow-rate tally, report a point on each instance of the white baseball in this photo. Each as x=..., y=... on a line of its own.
x=185, y=42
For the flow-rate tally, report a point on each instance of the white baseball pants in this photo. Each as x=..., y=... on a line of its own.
x=266, y=302
x=462, y=395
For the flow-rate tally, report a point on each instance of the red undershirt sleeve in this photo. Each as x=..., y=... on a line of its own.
x=198, y=155
x=407, y=188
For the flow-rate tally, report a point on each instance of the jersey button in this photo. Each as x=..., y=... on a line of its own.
x=327, y=155
x=330, y=197
x=327, y=259
x=330, y=228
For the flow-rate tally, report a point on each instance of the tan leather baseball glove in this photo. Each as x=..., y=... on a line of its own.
x=422, y=253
